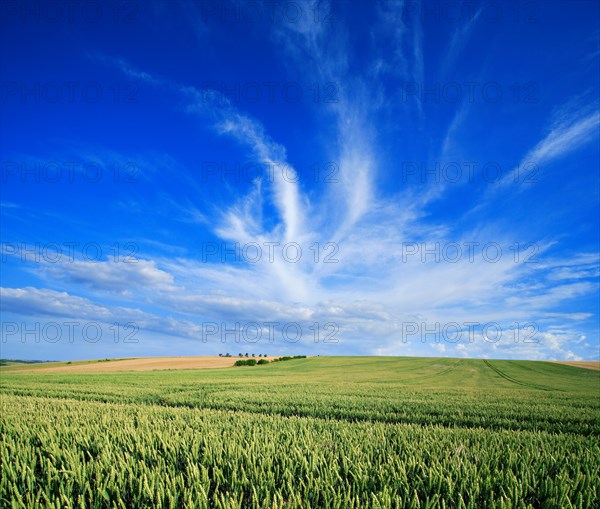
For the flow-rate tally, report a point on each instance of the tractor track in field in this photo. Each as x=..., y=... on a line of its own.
x=444, y=371
x=451, y=367
x=515, y=381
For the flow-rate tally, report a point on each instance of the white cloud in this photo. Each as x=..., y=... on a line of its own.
x=371, y=291
x=567, y=135
x=41, y=302
x=124, y=277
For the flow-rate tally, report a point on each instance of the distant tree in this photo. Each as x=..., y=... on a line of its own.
x=240, y=355
x=253, y=355
x=246, y=354
x=220, y=355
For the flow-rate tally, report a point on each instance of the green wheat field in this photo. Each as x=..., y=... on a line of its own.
x=326, y=432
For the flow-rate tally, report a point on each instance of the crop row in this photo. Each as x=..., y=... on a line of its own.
x=520, y=409
x=72, y=453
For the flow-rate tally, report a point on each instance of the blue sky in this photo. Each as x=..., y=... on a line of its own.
x=346, y=178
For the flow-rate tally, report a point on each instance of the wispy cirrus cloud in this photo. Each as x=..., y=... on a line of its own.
x=373, y=259
x=569, y=132
x=372, y=287
x=459, y=39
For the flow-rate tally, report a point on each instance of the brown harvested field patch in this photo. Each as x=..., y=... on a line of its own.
x=582, y=364
x=137, y=364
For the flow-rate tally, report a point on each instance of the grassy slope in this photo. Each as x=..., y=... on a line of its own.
x=420, y=373
x=10, y=366
x=380, y=433
x=472, y=393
